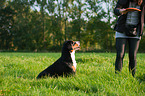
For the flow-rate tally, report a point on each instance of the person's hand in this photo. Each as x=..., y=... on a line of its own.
x=140, y=2
x=123, y=11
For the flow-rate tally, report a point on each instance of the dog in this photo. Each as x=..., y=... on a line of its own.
x=66, y=64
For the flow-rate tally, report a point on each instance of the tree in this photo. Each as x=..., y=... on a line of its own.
x=2, y=4
x=6, y=24
x=57, y=21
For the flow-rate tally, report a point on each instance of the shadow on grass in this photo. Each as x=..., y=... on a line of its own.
x=141, y=78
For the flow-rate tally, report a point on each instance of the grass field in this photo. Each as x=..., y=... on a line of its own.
x=94, y=77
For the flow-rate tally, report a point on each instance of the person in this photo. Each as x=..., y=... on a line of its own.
x=129, y=29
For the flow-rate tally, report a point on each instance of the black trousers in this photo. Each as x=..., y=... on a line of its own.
x=133, y=45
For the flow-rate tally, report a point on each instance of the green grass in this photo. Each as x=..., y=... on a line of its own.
x=95, y=76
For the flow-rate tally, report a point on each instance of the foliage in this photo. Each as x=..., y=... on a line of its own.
x=6, y=23
x=25, y=28
x=95, y=76
x=142, y=42
x=45, y=29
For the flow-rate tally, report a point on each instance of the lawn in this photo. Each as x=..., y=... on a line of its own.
x=95, y=76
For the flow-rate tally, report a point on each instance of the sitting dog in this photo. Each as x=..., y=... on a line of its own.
x=66, y=64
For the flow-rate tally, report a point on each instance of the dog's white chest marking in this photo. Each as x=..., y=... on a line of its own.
x=73, y=59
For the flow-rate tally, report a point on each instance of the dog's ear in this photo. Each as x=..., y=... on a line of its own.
x=68, y=45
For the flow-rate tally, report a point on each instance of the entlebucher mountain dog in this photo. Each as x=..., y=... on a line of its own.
x=66, y=64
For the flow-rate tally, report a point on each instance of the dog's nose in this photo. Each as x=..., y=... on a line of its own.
x=78, y=42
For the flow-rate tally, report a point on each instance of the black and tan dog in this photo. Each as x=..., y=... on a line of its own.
x=66, y=64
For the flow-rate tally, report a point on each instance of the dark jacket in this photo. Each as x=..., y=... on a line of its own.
x=120, y=25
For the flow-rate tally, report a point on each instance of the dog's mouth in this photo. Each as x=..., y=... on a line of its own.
x=77, y=48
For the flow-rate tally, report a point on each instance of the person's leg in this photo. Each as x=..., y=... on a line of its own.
x=120, y=47
x=133, y=48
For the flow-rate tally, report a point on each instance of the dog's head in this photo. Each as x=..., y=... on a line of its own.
x=71, y=45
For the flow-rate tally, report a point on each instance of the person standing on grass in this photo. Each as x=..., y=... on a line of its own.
x=129, y=29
